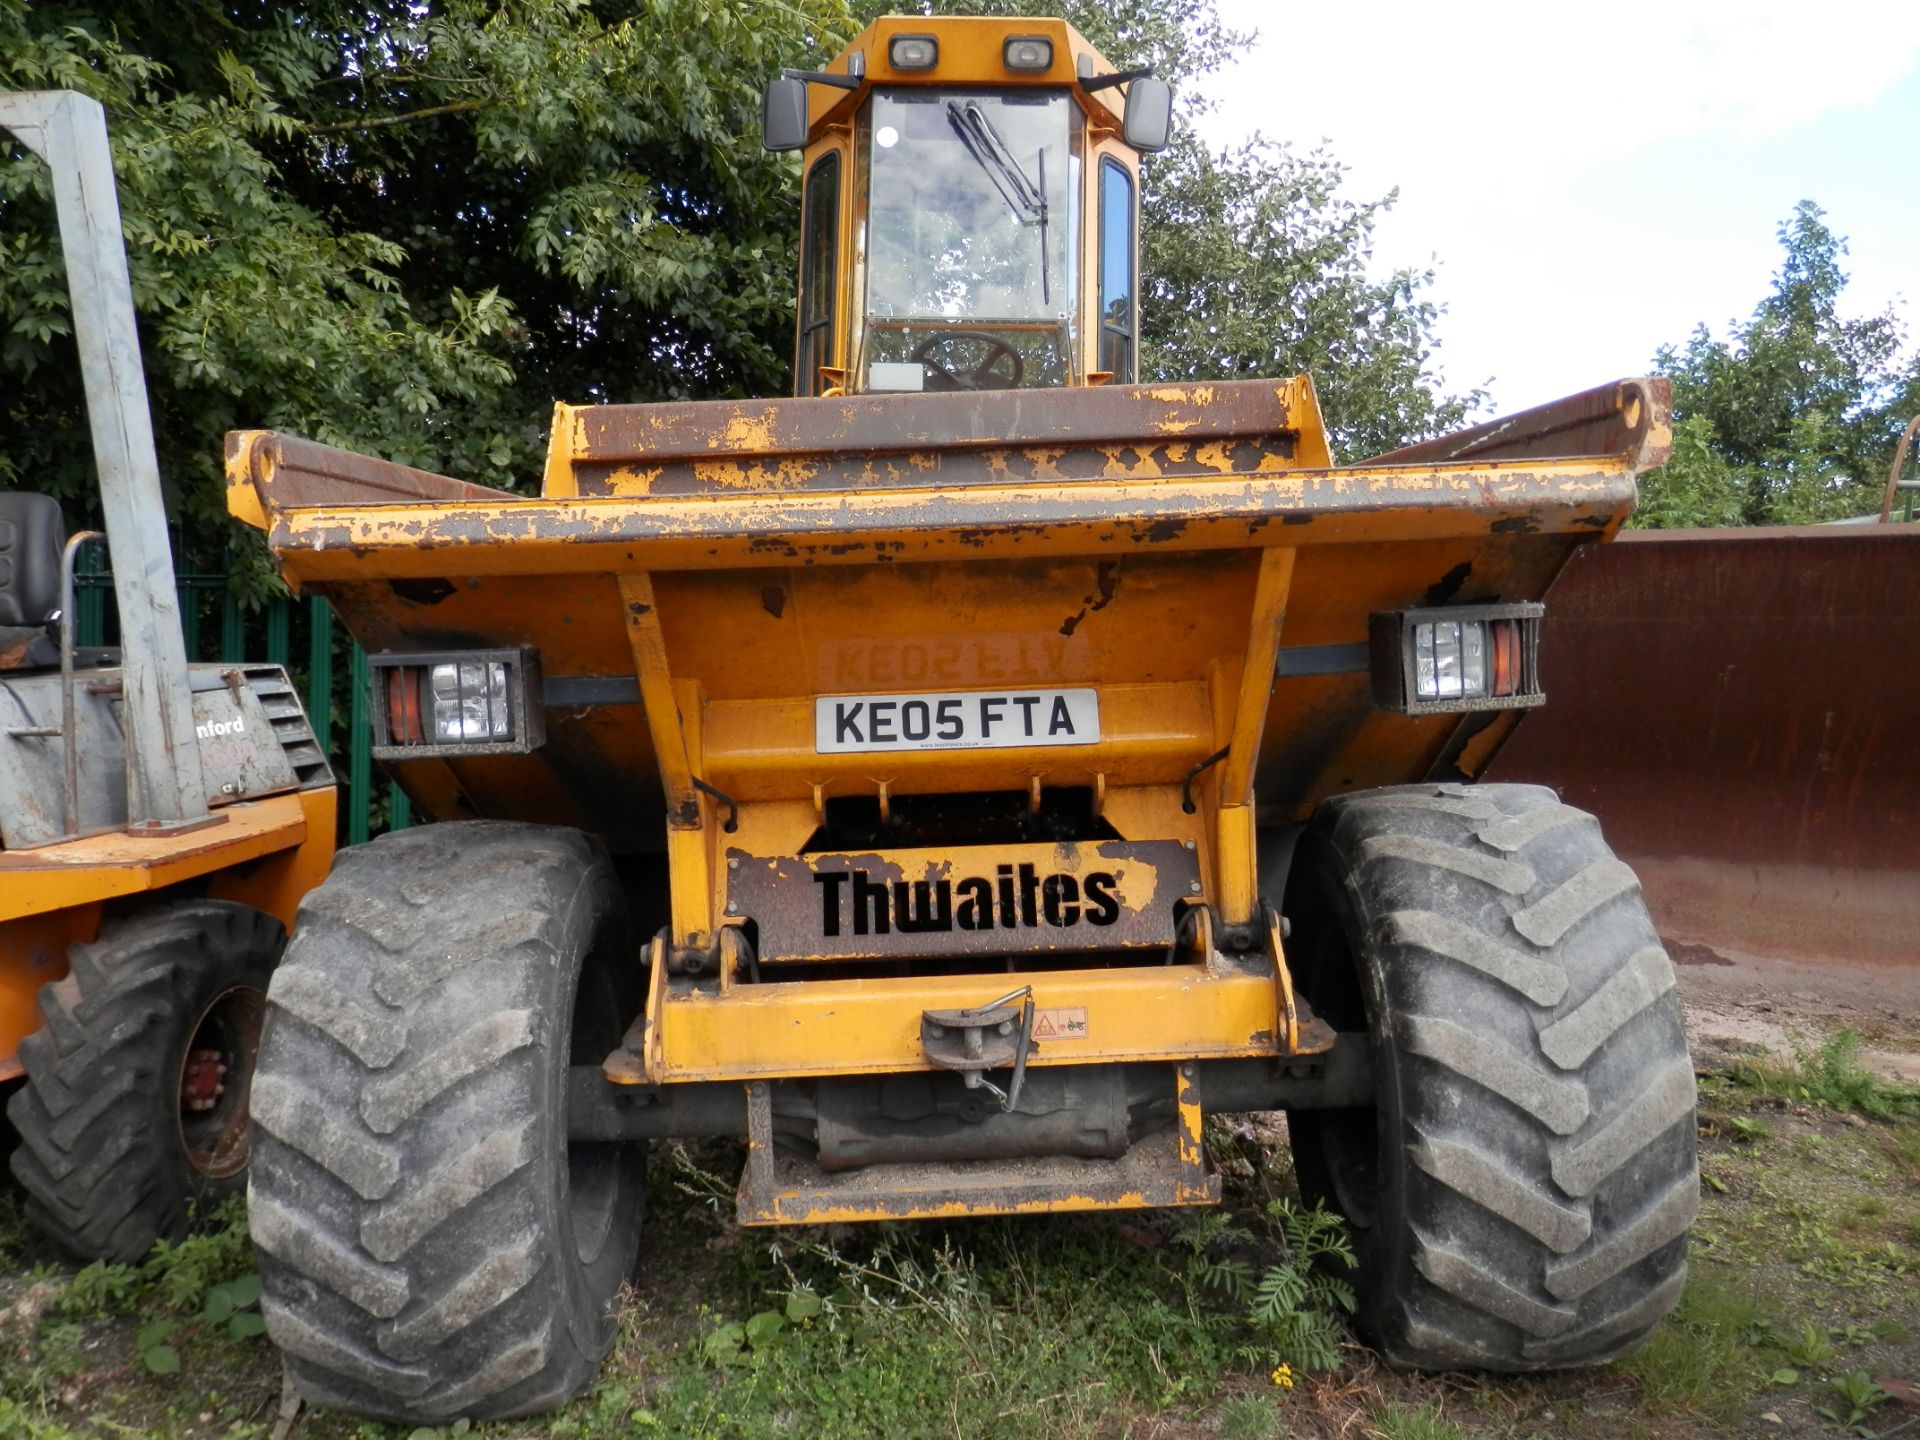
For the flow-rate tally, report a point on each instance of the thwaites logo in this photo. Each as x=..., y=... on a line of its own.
x=1016, y=897
x=214, y=729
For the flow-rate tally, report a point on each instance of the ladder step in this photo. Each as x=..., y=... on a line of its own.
x=782, y=1186
x=793, y=1190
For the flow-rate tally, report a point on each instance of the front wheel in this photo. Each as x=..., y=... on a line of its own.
x=431, y=1246
x=1521, y=1190
x=133, y=1117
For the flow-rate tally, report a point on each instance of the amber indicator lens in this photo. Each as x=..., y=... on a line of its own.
x=404, y=723
x=1506, y=656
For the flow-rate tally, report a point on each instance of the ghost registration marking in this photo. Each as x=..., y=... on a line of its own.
x=955, y=720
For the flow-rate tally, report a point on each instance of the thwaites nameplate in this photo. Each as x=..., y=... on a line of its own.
x=984, y=900
x=955, y=720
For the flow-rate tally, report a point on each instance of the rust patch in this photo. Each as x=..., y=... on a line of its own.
x=1105, y=582
x=1448, y=585
x=1159, y=532
x=1764, y=818
x=422, y=592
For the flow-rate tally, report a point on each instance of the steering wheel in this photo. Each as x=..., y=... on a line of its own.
x=986, y=373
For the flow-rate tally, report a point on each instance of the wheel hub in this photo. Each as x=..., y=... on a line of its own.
x=212, y=1123
x=204, y=1080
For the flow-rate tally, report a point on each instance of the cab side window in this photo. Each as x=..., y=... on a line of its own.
x=819, y=233
x=1117, y=353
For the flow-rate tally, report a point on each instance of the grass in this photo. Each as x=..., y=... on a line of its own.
x=1829, y=1074
x=1705, y=1358
x=1249, y=1417
x=1068, y=1326
x=187, y=1311
x=1903, y=1148
x=1074, y=1327
x=1395, y=1421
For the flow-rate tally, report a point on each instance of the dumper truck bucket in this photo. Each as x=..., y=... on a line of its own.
x=747, y=559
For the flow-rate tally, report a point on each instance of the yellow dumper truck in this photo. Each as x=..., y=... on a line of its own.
x=159, y=820
x=957, y=780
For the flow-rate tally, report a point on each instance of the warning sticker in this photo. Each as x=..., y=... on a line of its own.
x=1064, y=1024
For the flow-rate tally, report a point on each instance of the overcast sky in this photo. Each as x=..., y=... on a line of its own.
x=1594, y=181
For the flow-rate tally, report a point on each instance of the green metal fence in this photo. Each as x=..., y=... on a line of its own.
x=327, y=666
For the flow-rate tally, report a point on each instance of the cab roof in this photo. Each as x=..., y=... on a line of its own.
x=971, y=51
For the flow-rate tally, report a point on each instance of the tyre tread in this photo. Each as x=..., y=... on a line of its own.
x=426, y=973
x=1534, y=1039
x=98, y=1156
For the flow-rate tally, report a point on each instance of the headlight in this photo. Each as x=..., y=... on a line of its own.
x=464, y=703
x=470, y=700
x=1463, y=657
x=913, y=52
x=1028, y=52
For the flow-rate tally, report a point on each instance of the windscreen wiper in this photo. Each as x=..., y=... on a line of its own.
x=1027, y=198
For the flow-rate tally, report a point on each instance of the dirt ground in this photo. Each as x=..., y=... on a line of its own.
x=1744, y=1005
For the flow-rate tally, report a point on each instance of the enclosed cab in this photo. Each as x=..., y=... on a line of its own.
x=968, y=208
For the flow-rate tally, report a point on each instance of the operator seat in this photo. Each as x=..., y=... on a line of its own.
x=32, y=534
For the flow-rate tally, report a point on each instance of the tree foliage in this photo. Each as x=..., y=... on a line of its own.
x=1791, y=418
x=1254, y=264
x=404, y=228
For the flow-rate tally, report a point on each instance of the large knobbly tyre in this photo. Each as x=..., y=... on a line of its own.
x=430, y=1245
x=112, y=1155
x=1521, y=1191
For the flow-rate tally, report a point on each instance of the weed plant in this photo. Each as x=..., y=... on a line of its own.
x=193, y=1299
x=1830, y=1074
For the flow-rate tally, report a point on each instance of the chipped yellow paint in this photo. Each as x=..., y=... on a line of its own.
x=745, y=433
x=634, y=480
x=565, y=439
x=871, y=1025
x=1164, y=1167
x=796, y=1208
x=1001, y=518
x=103, y=867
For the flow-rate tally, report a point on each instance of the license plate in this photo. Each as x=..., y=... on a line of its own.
x=955, y=720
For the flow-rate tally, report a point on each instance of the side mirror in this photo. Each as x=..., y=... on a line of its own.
x=783, y=115
x=1148, y=123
